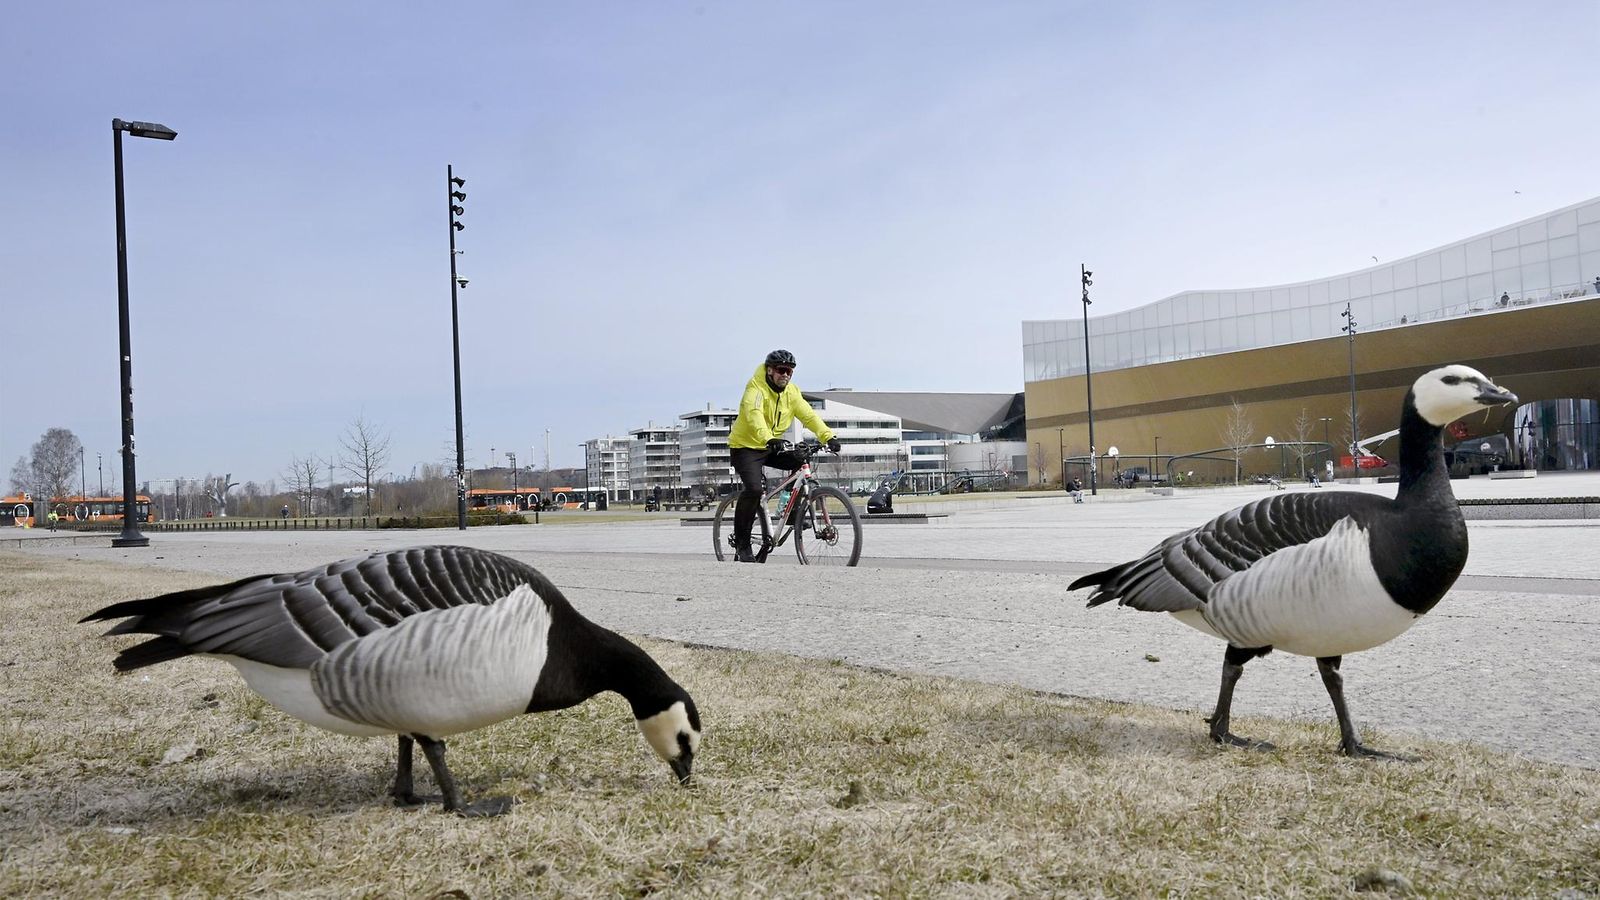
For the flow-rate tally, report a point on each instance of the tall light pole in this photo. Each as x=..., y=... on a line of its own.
x=1061, y=454
x=586, y=497
x=131, y=536
x=513, y=458
x=451, y=185
x=1355, y=429
x=1088, y=385
x=99, y=466
x=83, y=488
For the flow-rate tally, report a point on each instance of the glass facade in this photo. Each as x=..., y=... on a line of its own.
x=1549, y=258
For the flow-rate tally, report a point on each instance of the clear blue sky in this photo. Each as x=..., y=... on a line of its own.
x=658, y=193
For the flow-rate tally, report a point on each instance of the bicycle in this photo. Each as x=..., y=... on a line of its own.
x=824, y=513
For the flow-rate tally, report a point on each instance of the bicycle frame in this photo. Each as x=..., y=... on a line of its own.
x=801, y=480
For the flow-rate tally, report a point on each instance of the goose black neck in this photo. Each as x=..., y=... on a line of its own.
x=585, y=659
x=1422, y=471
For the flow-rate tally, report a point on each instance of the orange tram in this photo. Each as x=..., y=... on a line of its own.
x=526, y=499
x=17, y=509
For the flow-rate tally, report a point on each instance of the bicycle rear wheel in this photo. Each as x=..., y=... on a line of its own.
x=828, y=529
x=722, y=528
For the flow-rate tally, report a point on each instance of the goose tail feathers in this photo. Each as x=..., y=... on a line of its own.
x=1098, y=580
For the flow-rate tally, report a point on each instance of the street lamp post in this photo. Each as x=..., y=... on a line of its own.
x=83, y=483
x=1061, y=454
x=1088, y=385
x=1355, y=429
x=513, y=458
x=586, y=497
x=131, y=536
x=451, y=184
x=99, y=466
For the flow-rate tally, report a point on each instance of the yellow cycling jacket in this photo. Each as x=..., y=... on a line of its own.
x=765, y=414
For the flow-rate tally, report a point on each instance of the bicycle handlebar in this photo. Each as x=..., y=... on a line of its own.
x=805, y=449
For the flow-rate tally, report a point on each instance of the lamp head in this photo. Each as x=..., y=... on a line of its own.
x=144, y=129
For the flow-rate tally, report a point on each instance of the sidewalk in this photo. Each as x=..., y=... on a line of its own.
x=1510, y=658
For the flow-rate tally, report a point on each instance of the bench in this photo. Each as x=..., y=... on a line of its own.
x=686, y=505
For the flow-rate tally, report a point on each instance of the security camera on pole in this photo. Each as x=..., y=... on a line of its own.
x=454, y=200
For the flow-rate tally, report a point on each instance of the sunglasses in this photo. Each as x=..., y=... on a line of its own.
x=783, y=370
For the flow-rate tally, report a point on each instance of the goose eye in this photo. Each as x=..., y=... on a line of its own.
x=1451, y=379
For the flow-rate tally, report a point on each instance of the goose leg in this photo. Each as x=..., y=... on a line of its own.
x=489, y=806
x=1233, y=667
x=1349, y=744
x=402, y=790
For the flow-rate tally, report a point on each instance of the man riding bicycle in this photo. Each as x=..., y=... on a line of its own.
x=770, y=403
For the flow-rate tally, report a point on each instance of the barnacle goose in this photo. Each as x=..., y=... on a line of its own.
x=1321, y=574
x=423, y=643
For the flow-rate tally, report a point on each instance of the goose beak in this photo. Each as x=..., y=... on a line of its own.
x=1493, y=395
x=681, y=767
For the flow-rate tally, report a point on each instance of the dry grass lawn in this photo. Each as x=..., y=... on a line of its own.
x=814, y=779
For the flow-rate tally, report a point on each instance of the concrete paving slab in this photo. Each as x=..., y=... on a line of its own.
x=1510, y=658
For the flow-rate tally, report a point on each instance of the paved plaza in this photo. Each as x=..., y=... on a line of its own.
x=1510, y=658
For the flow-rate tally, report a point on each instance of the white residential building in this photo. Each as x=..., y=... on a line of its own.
x=653, y=460
x=703, y=449
x=606, y=459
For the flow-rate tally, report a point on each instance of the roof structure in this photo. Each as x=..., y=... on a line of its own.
x=929, y=411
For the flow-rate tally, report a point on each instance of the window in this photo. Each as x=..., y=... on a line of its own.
x=1405, y=274
x=1428, y=268
x=1478, y=260
x=1453, y=262
x=1383, y=279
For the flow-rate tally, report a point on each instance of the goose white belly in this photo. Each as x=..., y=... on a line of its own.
x=435, y=673
x=1321, y=598
x=290, y=690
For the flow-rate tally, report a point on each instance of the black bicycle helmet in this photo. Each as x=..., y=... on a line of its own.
x=780, y=358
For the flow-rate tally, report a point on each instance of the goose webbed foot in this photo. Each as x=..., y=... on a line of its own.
x=408, y=800
x=1357, y=750
x=1229, y=739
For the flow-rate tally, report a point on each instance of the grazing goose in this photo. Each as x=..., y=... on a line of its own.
x=422, y=643
x=1320, y=574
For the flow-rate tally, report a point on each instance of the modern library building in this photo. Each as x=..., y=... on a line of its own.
x=1174, y=377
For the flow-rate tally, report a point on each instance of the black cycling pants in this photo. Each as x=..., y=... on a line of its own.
x=748, y=462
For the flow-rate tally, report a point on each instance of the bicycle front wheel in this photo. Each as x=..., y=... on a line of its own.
x=828, y=529
x=722, y=528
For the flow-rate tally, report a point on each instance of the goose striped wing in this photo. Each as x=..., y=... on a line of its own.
x=293, y=620
x=1181, y=572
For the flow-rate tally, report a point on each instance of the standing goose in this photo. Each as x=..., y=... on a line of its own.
x=423, y=643
x=1318, y=574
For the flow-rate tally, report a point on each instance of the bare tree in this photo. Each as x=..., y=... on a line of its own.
x=1041, y=461
x=366, y=452
x=217, y=490
x=1238, y=433
x=1302, y=435
x=22, y=476
x=50, y=470
x=302, y=478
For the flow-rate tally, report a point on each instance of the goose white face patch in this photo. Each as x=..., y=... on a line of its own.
x=1448, y=393
x=662, y=729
